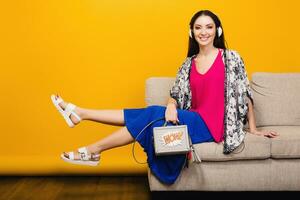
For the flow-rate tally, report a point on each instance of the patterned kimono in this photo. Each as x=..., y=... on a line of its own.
x=237, y=89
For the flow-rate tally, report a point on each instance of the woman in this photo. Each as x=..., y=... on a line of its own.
x=211, y=95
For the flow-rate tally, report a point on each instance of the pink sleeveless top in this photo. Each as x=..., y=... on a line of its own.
x=208, y=96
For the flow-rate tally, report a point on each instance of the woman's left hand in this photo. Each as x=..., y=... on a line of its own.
x=266, y=133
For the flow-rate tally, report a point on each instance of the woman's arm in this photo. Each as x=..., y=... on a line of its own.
x=243, y=79
x=172, y=101
x=171, y=111
x=251, y=117
x=252, y=125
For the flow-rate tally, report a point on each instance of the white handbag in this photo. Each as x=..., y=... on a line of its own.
x=170, y=140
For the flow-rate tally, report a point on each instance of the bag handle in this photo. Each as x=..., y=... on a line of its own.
x=165, y=124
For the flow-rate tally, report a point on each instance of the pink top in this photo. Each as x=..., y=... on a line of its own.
x=208, y=96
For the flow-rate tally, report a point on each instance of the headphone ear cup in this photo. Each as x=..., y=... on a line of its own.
x=219, y=31
x=190, y=33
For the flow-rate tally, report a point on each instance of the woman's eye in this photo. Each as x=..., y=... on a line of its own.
x=208, y=27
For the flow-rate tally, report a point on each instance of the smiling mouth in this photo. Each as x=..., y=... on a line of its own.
x=203, y=38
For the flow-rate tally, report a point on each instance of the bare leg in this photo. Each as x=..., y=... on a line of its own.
x=119, y=138
x=112, y=117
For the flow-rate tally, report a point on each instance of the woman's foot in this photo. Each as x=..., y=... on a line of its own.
x=93, y=154
x=77, y=110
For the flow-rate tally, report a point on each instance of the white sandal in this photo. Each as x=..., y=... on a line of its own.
x=67, y=112
x=85, y=158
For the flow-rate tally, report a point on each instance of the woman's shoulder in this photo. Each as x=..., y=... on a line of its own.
x=189, y=58
x=187, y=61
x=234, y=53
x=185, y=65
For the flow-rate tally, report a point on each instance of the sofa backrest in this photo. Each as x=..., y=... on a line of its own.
x=276, y=96
x=157, y=90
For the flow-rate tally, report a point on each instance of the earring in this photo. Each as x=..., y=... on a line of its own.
x=190, y=33
x=219, y=31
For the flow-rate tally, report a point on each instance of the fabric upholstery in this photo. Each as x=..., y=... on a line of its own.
x=287, y=145
x=255, y=147
x=276, y=98
x=241, y=175
x=264, y=163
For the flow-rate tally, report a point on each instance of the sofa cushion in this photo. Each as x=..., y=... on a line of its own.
x=276, y=98
x=287, y=144
x=255, y=147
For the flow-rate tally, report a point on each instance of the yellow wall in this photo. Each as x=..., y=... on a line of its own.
x=98, y=54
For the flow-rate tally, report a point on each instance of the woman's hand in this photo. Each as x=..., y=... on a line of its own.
x=266, y=133
x=171, y=113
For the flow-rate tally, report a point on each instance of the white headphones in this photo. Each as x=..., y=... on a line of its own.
x=219, y=30
x=190, y=33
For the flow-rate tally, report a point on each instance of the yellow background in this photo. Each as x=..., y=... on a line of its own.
x=98, y=54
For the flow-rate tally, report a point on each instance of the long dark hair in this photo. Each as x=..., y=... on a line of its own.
x=219, y=42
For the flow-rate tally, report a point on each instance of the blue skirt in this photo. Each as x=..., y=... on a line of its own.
x=165, y=168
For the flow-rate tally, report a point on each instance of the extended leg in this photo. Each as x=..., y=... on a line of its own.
x=112, y=117
x=119, y=138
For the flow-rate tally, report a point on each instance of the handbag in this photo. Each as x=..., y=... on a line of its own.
x=170, y=140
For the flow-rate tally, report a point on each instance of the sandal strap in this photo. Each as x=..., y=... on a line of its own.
x=83, y=153
x=71, y=155
x=59, y=100
x=85, y=156
x=95, y=156
x=70, y=110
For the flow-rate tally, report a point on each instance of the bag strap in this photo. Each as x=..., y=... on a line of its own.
x=135, y=139
x=195, y=156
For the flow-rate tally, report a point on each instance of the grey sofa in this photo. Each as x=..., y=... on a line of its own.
x=263, y=164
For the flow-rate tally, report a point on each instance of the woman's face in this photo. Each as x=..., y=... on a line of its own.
x=204, y=30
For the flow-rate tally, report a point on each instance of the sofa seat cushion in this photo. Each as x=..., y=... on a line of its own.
x=287, y=144
x=255, y=147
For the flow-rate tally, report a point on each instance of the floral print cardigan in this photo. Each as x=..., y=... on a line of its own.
x=237, y=89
